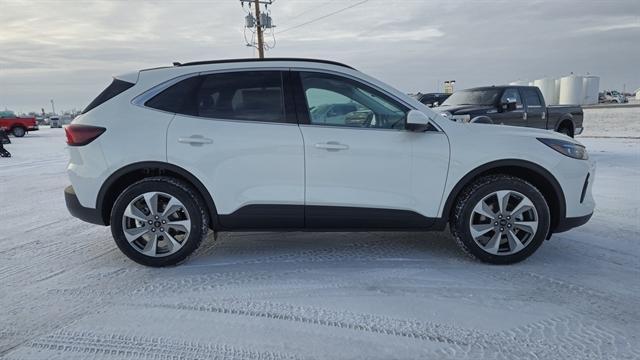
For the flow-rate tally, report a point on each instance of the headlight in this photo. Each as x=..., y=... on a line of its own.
x=567, y=148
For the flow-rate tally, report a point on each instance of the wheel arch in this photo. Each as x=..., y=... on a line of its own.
x=526, y=170
x=565, y=120
x=125, y=176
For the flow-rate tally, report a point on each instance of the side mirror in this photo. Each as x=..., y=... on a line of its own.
x=509, y=105
x=417, y=121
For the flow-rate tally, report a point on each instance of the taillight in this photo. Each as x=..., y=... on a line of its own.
x=79, y=135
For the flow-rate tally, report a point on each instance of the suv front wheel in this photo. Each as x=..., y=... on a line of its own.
x=500, y=219
x=159, y=221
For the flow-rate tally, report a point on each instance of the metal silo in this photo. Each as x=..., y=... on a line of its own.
x=548, y=88
x=571, y=90
x=591, y=88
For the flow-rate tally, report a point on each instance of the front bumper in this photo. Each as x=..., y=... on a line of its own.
x=93, y=216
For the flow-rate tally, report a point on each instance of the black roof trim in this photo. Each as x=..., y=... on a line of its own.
x=223, y=61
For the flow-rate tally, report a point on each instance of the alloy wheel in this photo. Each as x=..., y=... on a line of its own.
x=503, y=222
x=156, y=224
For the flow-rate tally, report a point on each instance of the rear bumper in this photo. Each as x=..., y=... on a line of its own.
x=93, y=216
x=571, y=222
x=578, y=131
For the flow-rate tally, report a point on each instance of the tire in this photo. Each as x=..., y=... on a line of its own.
x=164, y=237
x=19, y=131
x=566, y=129
x=500, y=246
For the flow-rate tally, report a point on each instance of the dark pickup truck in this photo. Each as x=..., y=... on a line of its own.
x=512, y=105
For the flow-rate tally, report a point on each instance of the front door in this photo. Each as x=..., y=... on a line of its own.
x=517, y=117
x=366, y=171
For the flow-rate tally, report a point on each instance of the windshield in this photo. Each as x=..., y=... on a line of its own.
x=473, y=97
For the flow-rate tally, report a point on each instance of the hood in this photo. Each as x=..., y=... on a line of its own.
x=515, y=131
x=464, y=109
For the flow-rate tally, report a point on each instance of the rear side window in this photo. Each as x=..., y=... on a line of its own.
x=531, y=97
x=179, y=98
x=117, y=87
x=251, y=95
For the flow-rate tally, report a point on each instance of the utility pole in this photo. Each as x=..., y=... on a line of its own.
x=53, y=108
x=260, y=20
x=259, y=30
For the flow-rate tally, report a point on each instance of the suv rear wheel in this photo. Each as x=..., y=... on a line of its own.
x=159, y=221
x=500, y=219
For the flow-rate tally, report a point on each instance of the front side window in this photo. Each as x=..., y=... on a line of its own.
x=514, y=94
x=250, y=95
x=337, y=101
x=531, y=97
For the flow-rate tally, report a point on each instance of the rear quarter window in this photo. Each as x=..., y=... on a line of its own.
x=114, y=89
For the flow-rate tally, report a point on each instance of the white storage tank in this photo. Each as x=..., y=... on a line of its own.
x=571, y=90
x=557, y=91
x=548, y=88
x=591, y=88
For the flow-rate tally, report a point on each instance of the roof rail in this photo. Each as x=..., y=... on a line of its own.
x=223, y=61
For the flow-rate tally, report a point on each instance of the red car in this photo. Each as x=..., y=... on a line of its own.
x=18, y=126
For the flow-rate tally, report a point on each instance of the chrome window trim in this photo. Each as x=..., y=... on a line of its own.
x=145, y=96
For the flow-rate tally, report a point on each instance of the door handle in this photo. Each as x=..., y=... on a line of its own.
x=331, y=146
x=195, y=140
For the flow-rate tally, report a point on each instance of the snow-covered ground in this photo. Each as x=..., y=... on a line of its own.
x=66, y=292
x=612, y=122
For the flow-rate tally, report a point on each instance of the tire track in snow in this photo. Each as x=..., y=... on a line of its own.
x=94, y=344
x=344, y=320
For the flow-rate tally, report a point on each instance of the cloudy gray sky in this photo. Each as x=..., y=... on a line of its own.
x=69, y=49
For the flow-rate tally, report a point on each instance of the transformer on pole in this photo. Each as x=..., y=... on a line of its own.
x=257, y=21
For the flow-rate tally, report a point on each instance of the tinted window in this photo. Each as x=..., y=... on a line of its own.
x=114, y=89
x=253, y=95
x=338, y=101
x=179, y=98
x=531, y=97
x=473, y=97
x=512, y=93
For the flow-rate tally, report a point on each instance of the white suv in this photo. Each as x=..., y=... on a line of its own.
x=165, y=155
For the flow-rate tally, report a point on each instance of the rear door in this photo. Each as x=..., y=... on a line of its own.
x=536, y=112
x=367, y=171
x=237, y=133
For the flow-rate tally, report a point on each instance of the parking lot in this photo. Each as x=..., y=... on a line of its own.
x=66, y=292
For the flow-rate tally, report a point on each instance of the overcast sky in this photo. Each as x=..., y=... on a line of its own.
x=68, y=50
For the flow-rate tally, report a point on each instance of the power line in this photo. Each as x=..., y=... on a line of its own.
x=324, y=16
x=310, y=10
